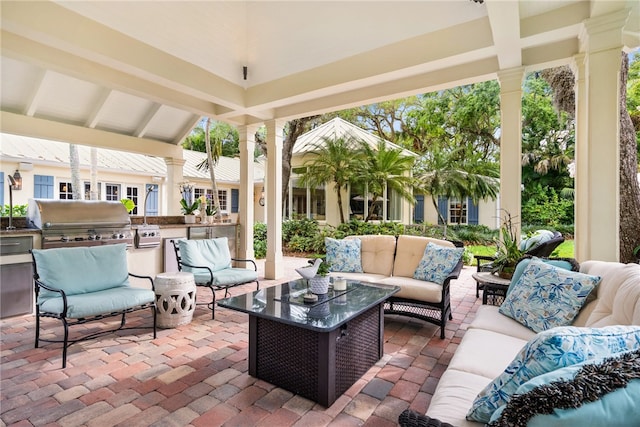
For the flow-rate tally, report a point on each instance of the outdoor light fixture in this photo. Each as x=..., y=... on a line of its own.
x=17, y=178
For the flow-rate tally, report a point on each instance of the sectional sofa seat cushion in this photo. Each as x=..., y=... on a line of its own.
x=377, y=253
x=602, y=391
x=546, y=296
x=618, y=293
x=437, y=263
x=410, y=251
x=344, y=255
x=550, y=350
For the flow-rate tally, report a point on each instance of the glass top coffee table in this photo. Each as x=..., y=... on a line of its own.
x=316, y=350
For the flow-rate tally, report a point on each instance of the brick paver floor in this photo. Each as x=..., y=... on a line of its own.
x=197, y=374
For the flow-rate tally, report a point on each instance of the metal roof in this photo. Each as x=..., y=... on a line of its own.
x=39, y=151
x=339, y=128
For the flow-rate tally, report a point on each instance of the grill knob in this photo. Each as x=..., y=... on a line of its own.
x=121, y=236
x=115, y=236
x=64, y=238
x=145, y=234
x=98, y=237
x=92, y=237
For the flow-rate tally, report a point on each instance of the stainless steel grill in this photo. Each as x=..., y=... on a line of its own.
x=68, y=223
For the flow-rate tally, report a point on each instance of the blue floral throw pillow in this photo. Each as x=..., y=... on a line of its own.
x=437, y=263
x=546, y=296
x=548, y=351
x=344, y=255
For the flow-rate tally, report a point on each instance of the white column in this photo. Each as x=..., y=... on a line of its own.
x=598, y=140
x=172, y=194
x=511, y=144
x=247, y=147
x=274, y=268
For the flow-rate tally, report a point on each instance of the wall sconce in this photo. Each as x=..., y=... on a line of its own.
x=18, y=179
x=261, y=201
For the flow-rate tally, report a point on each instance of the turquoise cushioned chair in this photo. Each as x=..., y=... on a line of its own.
x=83, y=284
x=210, y=262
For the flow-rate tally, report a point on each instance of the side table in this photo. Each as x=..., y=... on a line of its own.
x=175, y=298
x=495, y=287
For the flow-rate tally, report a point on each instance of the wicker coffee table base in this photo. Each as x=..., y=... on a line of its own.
x=317, y=365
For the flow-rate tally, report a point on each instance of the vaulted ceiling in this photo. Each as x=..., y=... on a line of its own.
x=139, y=75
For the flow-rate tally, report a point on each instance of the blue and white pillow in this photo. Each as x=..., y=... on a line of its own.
x=586, y=407
x=546, y=296
x=437, y=263
x=548, y=351
x=344, y=255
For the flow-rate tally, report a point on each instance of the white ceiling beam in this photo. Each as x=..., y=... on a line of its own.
x=186, y=130
x=505, y=28
x=94, y=116
x=39, y=89
x=64, y=132
x=146, y=121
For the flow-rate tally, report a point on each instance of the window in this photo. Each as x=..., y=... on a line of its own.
x=64, y=191
x=457, y=211
x=306, y=202
x=87, y=191
x=198, y=192
x=132, y=194
x=113, y=191
x=43, y=186
x=222, y=197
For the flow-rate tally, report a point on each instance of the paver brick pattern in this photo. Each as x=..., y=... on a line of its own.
x=197, y=374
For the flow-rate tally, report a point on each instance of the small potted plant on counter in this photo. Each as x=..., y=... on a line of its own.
x=189, y=210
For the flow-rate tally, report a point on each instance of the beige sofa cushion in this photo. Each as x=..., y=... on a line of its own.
x=618, y=300
x=377, y=253
x=415, y=289
x=454, y=395
x=409, y=252
x=489, y=318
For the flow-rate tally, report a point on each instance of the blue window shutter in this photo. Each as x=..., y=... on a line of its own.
x=418, y=210
x=152, y=200
x=43, y=186
x=443, y=208
x=472, y=212
x=235, y=200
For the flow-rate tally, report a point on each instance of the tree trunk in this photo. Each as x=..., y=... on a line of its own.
x=212, y=172
x=444, y=221
x=629, y=188
x=93, y=183
x=74, y=164
x=295, y=128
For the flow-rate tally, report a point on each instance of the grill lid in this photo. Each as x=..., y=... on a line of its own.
x=47, y=214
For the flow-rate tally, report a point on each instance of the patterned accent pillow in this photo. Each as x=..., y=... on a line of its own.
x=437, y=263
x=344, y=255
x=546, y=296
x=548, y=351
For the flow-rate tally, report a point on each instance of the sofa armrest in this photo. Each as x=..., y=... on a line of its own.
x=63, y=295
x=409, y=418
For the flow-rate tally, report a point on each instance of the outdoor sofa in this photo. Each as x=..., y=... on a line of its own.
x=587, y=373
x=422, y=267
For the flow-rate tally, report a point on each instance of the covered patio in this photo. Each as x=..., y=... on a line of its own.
x=197, y=374
x=137, y=76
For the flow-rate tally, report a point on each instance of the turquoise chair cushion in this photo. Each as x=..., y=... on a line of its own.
x=212, y=253
x=101, y=302
x=81, y=270
x=234, y=276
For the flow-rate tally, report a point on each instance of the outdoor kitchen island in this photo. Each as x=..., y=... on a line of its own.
x=316, y=350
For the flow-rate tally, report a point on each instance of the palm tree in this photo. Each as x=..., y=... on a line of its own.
x=334, y=162
x=446, y=173
x=384, y=168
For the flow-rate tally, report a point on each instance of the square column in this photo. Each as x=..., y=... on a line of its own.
x=172, y=193
x=274, y=267
x=247, y=145
x=511, y=144
x=598, y=139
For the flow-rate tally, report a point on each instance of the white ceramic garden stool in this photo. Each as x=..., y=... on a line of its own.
x=175, y=298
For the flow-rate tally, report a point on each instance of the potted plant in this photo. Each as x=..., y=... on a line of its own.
x=320, y=283
x=188, y=210
x=509, y=251
x=210, y=211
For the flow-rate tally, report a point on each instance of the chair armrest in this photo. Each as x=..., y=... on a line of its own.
x=200, y=266
x=255, y=266
x=62, y=293
x=144, y=277
x=486, y=265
